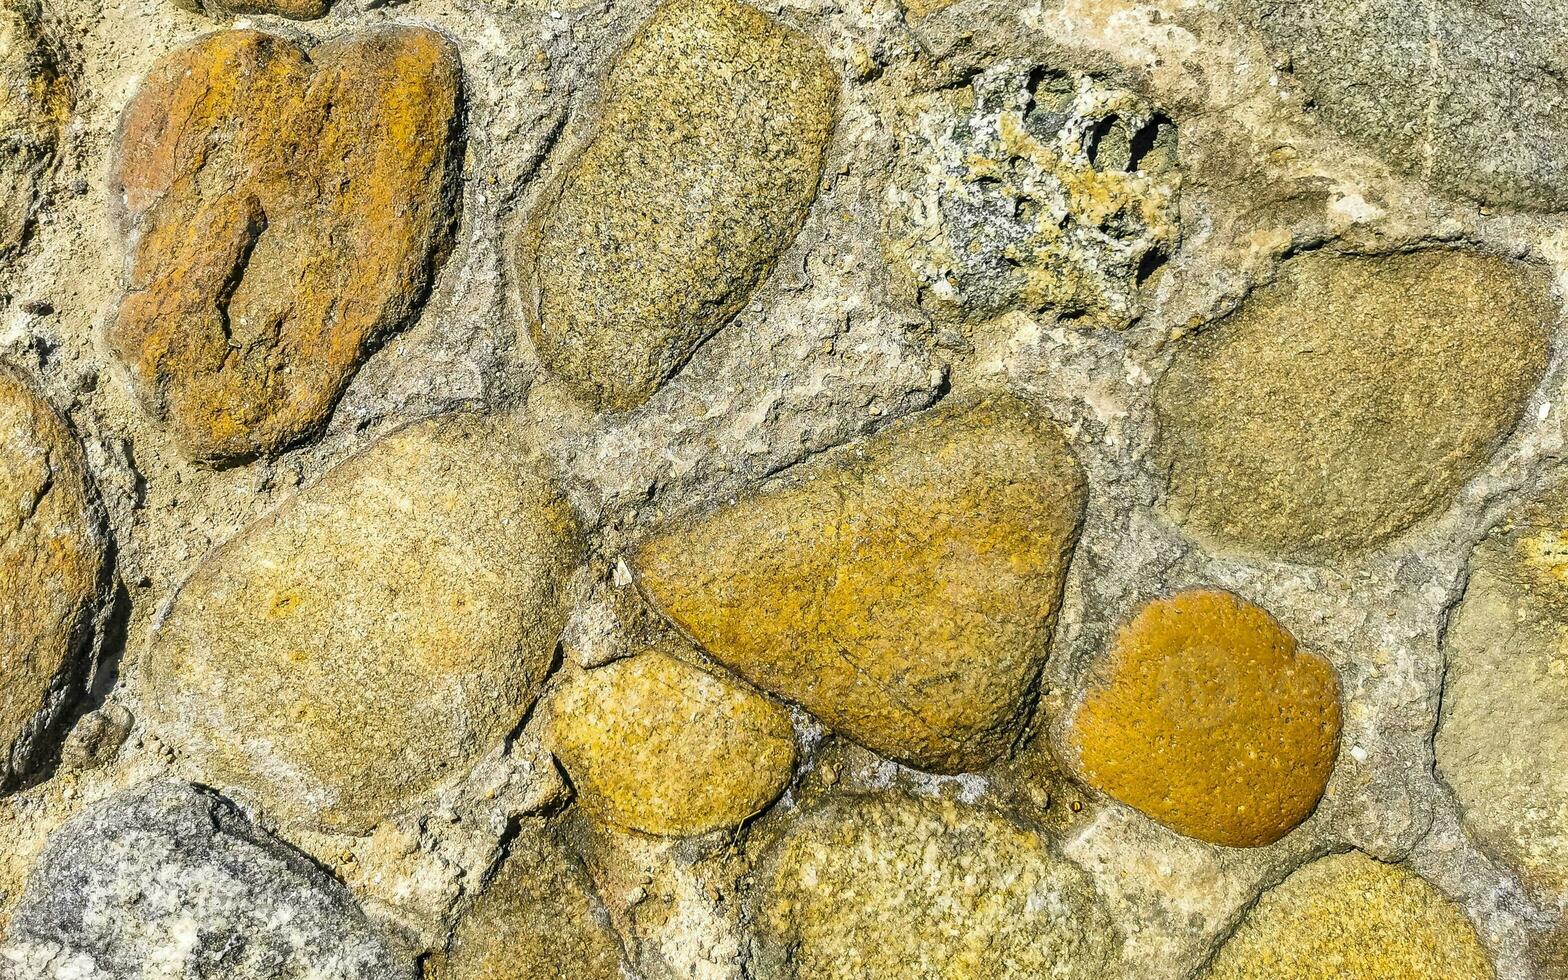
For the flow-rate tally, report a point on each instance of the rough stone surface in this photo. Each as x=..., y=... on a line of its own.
x=33, y=108
x=1033, y=189
x=1348, y=917
x=1503, y=740
x=1468, y=95
x=704, y=159
x=51, y=572
x=662, y=747
x=377, y=633
x=292, y=9
x=884, y=886
x=1205, y=716
x=536, y=918
x=172, y=883
x=248, y=171
x=1349, y=399
x=922, y=646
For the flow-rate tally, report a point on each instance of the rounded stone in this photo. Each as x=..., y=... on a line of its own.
x=53, y=572
x=1348, y=917
x=1349, y=399
x=34, y=105
x=167, y=881
x=377, y=633
x=247, y=170
x=1502, y=741
x=1205, y=716
x=703, y=162
x=536, y=918
x=662, y=747
x=925, y=889
x=903, y=589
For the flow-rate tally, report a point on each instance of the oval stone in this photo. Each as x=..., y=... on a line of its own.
x=703, y=163
x=1206, y=717
x=53, y=572
x=377, y=633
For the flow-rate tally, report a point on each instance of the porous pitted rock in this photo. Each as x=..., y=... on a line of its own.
x=1206, y=717
x=376, y=634
x=924, y=889
x=52, y=572
x=537, y=918
x=665, y=748
x=1349, y=399
x=1468, y=95
x=292, y=9
x=248, y=171
x=1502, y=743
x=703, y=164
x=1348, y=917
x=165, y=881
x=33, y=109
x=1032, y=189
x=902, y=589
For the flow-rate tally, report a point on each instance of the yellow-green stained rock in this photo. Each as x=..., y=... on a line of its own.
x=1348, y=917
x=33, y=109
x=1349, y=399
x=292, y=9
x=536, y=919
x=248, y=170
x=1502, y=742
x=891, y=888
x=52, y=555
x=662, y=747
x=902, y=589
x=376, y=634
x=1206, y=717
x=704, y=161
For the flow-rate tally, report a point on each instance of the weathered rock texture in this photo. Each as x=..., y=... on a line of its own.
x=662, y=747
x=1349, y=399
x=922, y=646
x=1503, y=741
x=285, y=212
x=292, y=9
x=52, y=564
x=536, y=918
x=884, y=886
x=1205, y=716
x=1348, y=917
x=33, y=107
x=1469, y=95
x=704, y=159
x=173, y=883
x=1033, y=189
x=378, y=633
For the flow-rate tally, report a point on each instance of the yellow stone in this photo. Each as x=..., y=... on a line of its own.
x=661, y=747
x=1348, y=917
x=902, y=589
x=34, y=105
x=52, y=565
x=705, y=159
x=374, y=636
x=1205, y=716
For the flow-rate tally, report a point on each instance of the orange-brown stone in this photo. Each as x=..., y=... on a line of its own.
x=285, y=212
x=1205, y=716
x=51, y=570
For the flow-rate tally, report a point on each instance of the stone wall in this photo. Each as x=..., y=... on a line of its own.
x=505, y=489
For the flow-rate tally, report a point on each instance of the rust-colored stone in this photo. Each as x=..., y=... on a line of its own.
x=903, y=589
x=1206, y=717
x=286, y=211
x=52, y=555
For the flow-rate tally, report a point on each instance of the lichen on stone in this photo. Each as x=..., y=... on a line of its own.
x=34, y=105
x=661, y=747
x=1033, y=189
x=1206, y=716
x=903, y=589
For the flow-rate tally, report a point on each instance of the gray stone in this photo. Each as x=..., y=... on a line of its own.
x=170, y=882
x=1468, y=95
